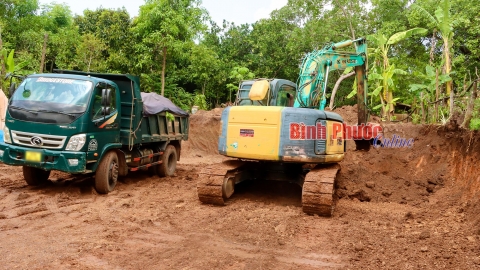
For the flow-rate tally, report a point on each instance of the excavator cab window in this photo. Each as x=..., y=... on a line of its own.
x=244, y=100
x=285, y=96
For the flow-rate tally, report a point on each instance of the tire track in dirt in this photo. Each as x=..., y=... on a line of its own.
x=211, y=244
x=7, y=205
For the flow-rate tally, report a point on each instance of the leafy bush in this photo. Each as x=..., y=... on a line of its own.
x=475, y=124
x=200, y=101
x=416, y=119
x=170, y=117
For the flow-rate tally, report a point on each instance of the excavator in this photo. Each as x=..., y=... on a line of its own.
x=278, y=130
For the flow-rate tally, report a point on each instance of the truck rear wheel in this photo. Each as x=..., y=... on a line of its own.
x=169, y=162
x=35, y=176
x=107, y=173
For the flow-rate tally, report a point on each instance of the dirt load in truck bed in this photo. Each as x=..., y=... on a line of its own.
x=412, y=208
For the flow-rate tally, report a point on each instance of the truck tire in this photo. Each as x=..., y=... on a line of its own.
x=106, y=175
x=35, y=176
x=169, y=162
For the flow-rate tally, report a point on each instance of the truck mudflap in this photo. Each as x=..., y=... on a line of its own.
x=66, y=161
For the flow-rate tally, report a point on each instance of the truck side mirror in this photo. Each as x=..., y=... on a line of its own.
x=106, y=97
x=11, y=90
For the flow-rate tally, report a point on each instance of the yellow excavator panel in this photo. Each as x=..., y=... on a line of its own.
x=253, y=132
x=335, y=141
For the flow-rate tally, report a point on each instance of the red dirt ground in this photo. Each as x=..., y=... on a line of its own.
x=411, y=208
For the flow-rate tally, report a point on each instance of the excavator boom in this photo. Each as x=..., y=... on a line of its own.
x=313, y=77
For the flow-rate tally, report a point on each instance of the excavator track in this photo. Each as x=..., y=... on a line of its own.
x=216, y=182
x=318, y=190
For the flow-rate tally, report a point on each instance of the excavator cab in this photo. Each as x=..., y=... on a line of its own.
x=266, y=92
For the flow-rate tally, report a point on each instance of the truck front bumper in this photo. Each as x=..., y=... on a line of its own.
x=66, y=161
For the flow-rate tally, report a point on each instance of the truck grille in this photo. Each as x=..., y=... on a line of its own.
x=38, y=140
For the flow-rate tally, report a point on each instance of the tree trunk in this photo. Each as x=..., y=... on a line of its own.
x=44, y=51
x=423, y=107
x=437, y=96
x=164, y=50
x=337, y=84
x=451, y=102
x=352, y=31
x=51, y=65
x=470, y=107
x=3, y=60
x=89, y=63
x=446, y=49
x=432, y=47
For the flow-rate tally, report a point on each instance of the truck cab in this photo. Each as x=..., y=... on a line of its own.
x=59, y=122
x=83, y=123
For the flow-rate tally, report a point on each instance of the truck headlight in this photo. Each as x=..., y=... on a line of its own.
x=76, y=142
x=6, y=135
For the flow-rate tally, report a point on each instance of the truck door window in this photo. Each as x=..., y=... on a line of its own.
x=97, y=110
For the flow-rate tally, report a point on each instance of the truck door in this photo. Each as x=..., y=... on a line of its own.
x=105, y=117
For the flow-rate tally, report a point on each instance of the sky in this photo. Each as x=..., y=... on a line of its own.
x=237, y=11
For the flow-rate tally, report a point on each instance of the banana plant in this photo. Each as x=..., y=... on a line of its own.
x=10, y=66
x=429, y=78
x=382, y=72
x=443, y=22
x=429, y=85
x=12, y=70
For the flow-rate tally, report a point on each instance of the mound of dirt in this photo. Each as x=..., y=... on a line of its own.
x=401, y=175
x=203, y=133
x=350, y=115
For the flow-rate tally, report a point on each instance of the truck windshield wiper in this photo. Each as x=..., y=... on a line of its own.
x=23, y=109
x=60, y=112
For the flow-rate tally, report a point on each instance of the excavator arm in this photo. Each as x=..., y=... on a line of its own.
x=312, y=81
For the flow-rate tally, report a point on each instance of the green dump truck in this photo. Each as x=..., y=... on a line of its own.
x=91, y=123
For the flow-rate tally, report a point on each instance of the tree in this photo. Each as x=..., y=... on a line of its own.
x=113, y=28
x=238, y=74
x=165, y=27
x=89, y=53
x=442, y=22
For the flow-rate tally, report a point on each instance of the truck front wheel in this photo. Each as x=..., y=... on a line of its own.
x=35, y=176
x=169, y=162
x=107, y=173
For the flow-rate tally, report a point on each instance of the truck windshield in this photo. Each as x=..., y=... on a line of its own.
x=53, y=94
x=50, y=100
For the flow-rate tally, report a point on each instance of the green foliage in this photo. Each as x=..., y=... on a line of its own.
x=170, y=117
x=416, y=118
x=170, y=46
x=180, y=97
x=200, y=101
x=475, y=124
x=383, y=72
